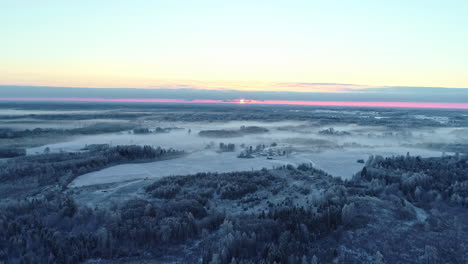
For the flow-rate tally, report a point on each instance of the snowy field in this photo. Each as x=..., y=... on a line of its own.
x=338, y=157
x=202, y=161
x=342, y=163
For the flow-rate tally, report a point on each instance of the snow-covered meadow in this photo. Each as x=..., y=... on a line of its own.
x=339, y=157
x=342, y=163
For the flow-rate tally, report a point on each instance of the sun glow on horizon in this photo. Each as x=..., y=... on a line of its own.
x=257, y=102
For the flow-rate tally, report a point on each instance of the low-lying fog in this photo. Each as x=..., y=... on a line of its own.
x=336, y=151
x=300, y=135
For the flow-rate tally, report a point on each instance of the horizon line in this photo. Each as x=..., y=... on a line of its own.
x=430, y=105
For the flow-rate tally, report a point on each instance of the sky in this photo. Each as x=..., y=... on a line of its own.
x=303, y=46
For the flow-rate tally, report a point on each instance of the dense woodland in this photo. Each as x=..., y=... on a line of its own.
x=32, y=173
x=12, y=152
x=220, y=133
x=416, y=206
x=420, y=180
x=223, y=133
x=395, y=118
x=400, y=209
x=332, y=132
x=98, y=128
x=145, y=130
x=249, y=152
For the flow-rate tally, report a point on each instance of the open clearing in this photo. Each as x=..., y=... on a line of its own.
x=342, y=163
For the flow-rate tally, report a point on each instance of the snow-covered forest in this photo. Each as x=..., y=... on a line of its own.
x=327, y=186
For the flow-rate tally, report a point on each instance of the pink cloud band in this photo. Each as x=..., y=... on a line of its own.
x=257, y=102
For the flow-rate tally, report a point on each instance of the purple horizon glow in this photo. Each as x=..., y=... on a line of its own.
x=258, y=102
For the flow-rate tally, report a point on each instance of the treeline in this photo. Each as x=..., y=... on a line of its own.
x=156, y=130
x=264, y=150
x=333, y=132
x=205, y=186
x=77, y=116
x=419, y=179
x=224, y=133
x=12, y=152
x=227, y=147
x=253, y=129
x=88, y=130
x=398, y=119
x=30, y=172
x=221, y=147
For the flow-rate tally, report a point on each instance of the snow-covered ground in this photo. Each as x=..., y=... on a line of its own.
x=303, y=140
x=338, y=162
x=343, y=162
x=125, y=181
x=201, y=161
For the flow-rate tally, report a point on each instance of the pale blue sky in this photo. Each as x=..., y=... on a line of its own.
x=234, y=44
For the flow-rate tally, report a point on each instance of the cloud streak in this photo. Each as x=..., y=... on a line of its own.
x=257, y=102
